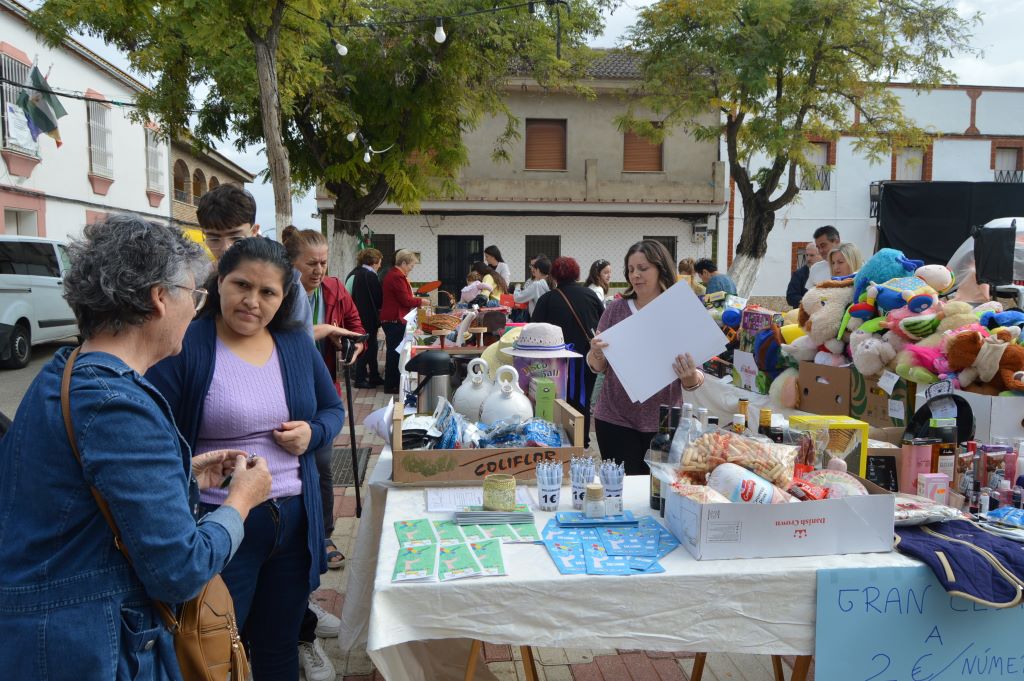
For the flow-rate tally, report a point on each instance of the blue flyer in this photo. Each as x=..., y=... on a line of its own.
x=556, y=532
x=600, y=563
x=578, y=519
x=629, y=541
x=567, y=557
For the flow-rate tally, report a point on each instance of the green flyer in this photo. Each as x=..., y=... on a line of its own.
x=415, y=564
x=502, y=532
x=488, y=552
x=448, y=532
x=527, y=532
x=473, y=532
x=455, y=562
x=415, y=532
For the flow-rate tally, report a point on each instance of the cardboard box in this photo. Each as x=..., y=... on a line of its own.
x=746, y=375
x=848, y=437
x=809, y=528
x=934, y=486
x=824, y=389
x=754, y=320
x=427, y=467
x=869, y=402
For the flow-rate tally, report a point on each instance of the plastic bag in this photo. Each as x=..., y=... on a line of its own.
x=914, y=510
x=504, y=433
x=838, y=483
x=540, y=433
x=741, y=485
x=771, y=461
x=702, y=494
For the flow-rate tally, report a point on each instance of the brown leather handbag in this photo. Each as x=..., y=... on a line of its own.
x=206, y=640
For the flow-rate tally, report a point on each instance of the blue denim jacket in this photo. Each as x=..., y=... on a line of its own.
x=70, y=605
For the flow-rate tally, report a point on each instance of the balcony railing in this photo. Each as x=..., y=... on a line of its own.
x=820, y=180
x=182, y=195
x=1009, y=176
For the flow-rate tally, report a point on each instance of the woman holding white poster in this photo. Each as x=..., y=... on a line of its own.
x=624, y=427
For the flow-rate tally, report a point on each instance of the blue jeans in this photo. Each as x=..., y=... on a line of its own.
x=268, y=578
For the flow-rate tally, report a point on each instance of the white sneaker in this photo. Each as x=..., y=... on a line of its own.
x=327, y=625
x=315, y=662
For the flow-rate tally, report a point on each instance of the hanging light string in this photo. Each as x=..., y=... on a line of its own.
x=438, y=21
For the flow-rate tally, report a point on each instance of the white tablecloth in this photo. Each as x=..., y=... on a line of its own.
x=762, y=606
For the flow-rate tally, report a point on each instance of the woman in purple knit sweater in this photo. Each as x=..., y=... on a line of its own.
x=247, y=380
x=625, y=428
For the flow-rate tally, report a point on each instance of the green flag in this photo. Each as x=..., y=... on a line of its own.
x=42, y=108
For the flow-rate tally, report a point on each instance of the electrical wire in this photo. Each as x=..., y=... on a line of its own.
x=431, y=18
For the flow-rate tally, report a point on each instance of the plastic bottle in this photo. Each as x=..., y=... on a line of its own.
x=1005, y=493
x=984, y=500
x=739, y=423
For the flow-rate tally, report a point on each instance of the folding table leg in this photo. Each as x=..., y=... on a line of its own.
x=698, y=666
x=474, y=657
x=777, y=668
x=529, y=664
x=801, y=666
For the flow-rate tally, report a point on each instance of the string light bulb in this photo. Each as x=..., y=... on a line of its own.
x=366, y=157
x=351, y=137
x=342, y=50
x=439, y=34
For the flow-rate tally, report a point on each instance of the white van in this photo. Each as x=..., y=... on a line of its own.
x=32, y=305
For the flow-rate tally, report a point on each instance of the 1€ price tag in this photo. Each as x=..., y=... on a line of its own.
x=888, y=382
x=897, y=410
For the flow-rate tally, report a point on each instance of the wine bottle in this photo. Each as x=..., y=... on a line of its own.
x=660, y=443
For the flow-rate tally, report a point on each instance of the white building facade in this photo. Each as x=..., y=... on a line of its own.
x=575, y=185
x=978, y=137
x=106, y=163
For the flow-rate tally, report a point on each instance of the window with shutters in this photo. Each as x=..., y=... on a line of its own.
x=16, y=132
x=668, y=242
x=545, y=144
x=101, y=157
x=540, y=244
x=154, y=162
x=909, y=164
x=641, y=155
x=1007, y=165
x=820, y=178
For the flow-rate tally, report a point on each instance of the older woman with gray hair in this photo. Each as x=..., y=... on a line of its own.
x=70, y=603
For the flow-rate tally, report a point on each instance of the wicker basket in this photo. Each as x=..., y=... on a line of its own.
x=435, y=322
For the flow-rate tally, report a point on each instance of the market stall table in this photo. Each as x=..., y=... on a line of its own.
x=764, y=606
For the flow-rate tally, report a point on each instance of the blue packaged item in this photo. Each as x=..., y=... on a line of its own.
x=541, y=433
x=1007, y=515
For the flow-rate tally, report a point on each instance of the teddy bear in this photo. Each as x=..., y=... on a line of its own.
x=886, y=264
x=986, y=365
x=821, y=316
x=951, y=316
x=871, y=353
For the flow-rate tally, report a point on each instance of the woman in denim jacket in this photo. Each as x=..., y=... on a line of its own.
x=71, y=607
x=249, y=377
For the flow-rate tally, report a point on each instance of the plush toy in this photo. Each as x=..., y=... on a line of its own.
x=821, y=315
x=939, y=277
x=986, y=365
x=871, y=353
x=912, y=292
x=768, y=352
x=950, y=316
x=886, y=264
x=784, y=389
x=994, y=320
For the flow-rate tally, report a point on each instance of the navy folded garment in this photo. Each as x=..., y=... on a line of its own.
x=962, y=568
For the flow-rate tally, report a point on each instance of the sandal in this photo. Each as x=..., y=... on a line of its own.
x=335, y=558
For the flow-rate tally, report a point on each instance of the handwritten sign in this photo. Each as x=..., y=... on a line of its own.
x=899, y=624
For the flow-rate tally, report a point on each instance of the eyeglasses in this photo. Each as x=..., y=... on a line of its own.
x=198, y=295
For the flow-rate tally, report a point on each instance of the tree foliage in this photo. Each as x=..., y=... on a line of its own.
x=782, y=71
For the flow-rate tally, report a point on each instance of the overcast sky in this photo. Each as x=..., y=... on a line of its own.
x=1002, y=63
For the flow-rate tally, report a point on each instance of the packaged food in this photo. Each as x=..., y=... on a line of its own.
x=541, y=433
x=740, y=485
x=771, y=461
x=702, y=494
x=838, y=483
x=805, y=491
x=914, y=510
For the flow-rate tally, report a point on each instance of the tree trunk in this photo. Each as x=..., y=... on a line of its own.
x=270, y=113
x=344, y=238
x=757, y=224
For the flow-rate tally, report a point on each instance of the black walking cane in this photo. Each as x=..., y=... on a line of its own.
x=349, y=349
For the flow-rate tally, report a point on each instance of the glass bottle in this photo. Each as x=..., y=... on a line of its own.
x=660, y=445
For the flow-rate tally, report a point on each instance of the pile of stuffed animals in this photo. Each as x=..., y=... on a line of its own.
x=890, y=316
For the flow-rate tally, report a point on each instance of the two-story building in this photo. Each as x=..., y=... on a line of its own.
x=106, y=161
x=978, y=137
x=576, y=185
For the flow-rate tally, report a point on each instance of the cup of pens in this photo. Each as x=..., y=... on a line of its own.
x=549, y=484
x=612, y=475
x=581, y=472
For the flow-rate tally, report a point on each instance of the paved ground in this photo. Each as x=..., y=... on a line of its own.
x=554, y=664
